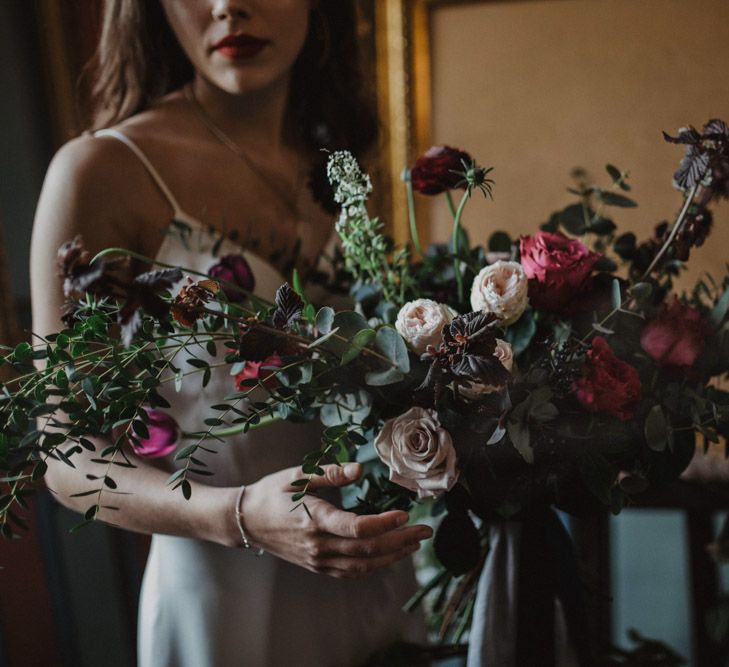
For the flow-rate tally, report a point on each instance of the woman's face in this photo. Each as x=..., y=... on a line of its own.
x=240, y=46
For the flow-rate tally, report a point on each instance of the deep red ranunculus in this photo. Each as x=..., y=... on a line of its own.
x=236, y=270
x=557, y=267
x=164, y=433
x=607, y=384
x=439, y=169
x=676, y=337
x=252, y=371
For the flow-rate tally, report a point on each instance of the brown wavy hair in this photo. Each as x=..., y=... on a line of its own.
x=138, y=60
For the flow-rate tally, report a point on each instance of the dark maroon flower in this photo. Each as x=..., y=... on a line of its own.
x=439, y=169
x=235, y=270
x=676, y=337
x=607, y=384
x=164, y=433
x=558, y=269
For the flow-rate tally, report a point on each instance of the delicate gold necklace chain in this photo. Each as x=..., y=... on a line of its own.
x=287, y=196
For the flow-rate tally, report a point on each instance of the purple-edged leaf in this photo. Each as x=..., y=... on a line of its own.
x=159, y=280
x=691, y=169
x=288, y=307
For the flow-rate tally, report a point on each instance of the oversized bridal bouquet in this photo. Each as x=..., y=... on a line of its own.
x=560, y=368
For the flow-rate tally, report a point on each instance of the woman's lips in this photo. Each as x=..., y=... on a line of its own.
x=240, y=47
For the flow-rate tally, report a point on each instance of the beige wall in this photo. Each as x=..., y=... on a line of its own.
x=536, y=88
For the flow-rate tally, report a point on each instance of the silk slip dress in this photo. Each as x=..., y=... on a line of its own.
x=205, y=605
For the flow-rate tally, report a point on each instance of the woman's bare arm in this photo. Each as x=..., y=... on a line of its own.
x=97, y=189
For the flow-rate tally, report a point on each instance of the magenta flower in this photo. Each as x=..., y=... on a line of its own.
x=164, y=432
x=234, y=269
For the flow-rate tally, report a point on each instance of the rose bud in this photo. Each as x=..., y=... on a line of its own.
x=501, y=288
x=233, y=270
x=439, y=169
x=421, y=322
x=475, y=390
x=164, y=433
x=557, y=268
x=676, y=337
x=419, y=452
x=252, y=371
x=607, y=384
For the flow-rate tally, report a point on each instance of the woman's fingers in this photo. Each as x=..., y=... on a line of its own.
x=348, y=567
x=382, y=545
x=330, y=519
x=334, y=475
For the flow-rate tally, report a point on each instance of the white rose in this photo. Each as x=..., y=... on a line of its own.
x=474, y=390
x=419, y=452
x=501, y=289
x=420, y=323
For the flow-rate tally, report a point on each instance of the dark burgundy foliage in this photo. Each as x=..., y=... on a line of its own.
x=81, y=275
x=706, y=152
x=466, y=353
x=288, y=307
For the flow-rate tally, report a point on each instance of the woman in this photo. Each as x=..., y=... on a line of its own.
x=217, y=109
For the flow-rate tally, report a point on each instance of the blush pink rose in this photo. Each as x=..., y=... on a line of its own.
x=501, y=288
x=419, y=452
x=558, y=269
x=164, y=433
x=421, y=322
x=676, y=337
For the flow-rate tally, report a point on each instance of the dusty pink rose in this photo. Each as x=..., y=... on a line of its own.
x=421, y=322
x=252, y=371
x=557, y=267
x=501, y=288
x=607, y=384
x=419, y=452
x=164, y=433
x=234, y=269
x=475, y=390
x=676, y=337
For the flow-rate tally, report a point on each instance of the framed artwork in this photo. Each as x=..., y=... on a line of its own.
x=538, y=88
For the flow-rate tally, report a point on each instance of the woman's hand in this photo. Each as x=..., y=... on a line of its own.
x=331, y=541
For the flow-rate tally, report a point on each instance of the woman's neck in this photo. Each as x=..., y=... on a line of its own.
x=254, y=121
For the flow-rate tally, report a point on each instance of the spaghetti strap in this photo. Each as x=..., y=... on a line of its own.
x=178, y=213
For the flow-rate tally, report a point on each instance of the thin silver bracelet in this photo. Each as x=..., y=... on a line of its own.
x=239, y=522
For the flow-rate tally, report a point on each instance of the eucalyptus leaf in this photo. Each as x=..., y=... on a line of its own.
x=518, y=431
x=718, y=312
x=616, y=294
x=656, y=429
x=324, y=320
x=614, y=199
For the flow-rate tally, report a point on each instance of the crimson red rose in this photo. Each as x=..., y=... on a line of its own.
x=607, y=384
x=557, y=267
x=676, y=337
x=234, y=269
x=439, y=169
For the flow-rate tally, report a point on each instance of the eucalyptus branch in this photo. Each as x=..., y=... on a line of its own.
x=456, y=236
x=411, y=212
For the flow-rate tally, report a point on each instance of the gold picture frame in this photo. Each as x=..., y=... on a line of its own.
x=404, y=93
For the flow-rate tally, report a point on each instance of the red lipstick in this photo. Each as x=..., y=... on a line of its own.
x=240, y=47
